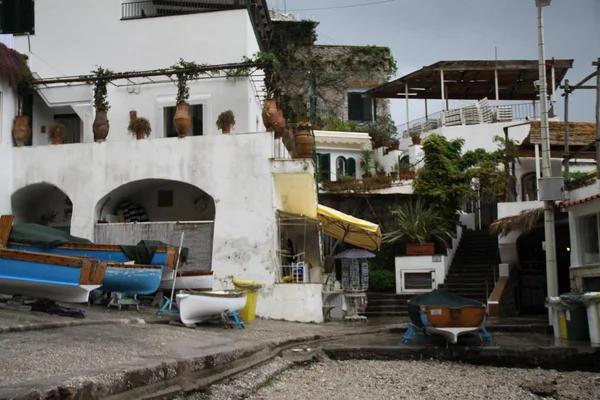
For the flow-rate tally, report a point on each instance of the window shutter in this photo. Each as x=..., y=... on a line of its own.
x=17, y=16
x=351, y=167
x=325, y=163
x=355, y=107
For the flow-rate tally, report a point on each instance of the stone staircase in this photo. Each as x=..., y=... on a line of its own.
x=472, y=266
x=387, y=305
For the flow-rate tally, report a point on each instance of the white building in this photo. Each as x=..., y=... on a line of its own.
x=225, y=192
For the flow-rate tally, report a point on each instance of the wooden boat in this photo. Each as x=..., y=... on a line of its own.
x=446, y=314
x=195, y=307
x=43, y=239
x=132, y=278
x=49, y=276
x=187, y=280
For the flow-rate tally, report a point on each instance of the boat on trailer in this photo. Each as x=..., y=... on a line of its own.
x=49, y=276
x=132, y=278
x=195, y=307
x=446, y=314
x=194, y=280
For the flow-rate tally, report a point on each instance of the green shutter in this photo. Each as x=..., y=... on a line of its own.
x=325, y=164
x=17, y=16
x=351, y=165
x=355, y=107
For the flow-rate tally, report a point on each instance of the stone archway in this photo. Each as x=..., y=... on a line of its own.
x=159, y=209
x=43, y=204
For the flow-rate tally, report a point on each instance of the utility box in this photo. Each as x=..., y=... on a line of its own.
x=552, y=188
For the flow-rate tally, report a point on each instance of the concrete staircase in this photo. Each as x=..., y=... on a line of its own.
x=387, y=305
x=473, y=266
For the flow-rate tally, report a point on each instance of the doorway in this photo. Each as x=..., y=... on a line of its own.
x=72, y=124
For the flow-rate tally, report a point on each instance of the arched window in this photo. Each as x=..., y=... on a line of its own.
x=529, y=190
x=404, y=161
x=340, y=166
x=351, y=164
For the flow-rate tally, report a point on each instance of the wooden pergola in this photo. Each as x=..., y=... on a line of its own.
x=474, y=80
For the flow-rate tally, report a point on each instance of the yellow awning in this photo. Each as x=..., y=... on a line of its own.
x=351, y=230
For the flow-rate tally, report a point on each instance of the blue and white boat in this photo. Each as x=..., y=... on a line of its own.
x=132, y=278
x=49, y=276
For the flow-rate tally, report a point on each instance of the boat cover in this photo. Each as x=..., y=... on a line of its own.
x=143, y=252
x=437, y=298
x=42, y=236
x=48, y=238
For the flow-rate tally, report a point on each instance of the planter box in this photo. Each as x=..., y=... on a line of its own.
x=416, y=249
x=407, y=175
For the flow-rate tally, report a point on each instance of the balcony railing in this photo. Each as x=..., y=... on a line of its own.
x=157, y=8
x=473, y=114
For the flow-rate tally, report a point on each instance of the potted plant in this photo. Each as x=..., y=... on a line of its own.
x=366, y=162
x=140, y=127
x=406, y=172
x=394, y=171
x=379, y=169
x=395, y=144
x=226, y=121
x=101, y=126
x=418, y=225
x=182, y=119
x=303, y=139
x=415, y=137
x=269, y=112
x=57, y=134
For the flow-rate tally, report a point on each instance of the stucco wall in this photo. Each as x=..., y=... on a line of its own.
x=8, y=110
x=293, y=302
x=245, y=224
x=67, y=40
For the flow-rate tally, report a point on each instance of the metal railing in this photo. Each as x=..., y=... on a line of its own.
x=155, y=8
x=469, y=115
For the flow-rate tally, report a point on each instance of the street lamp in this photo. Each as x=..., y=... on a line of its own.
x=549, y=234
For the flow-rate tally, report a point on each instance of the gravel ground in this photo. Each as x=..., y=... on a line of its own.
x=424, y=380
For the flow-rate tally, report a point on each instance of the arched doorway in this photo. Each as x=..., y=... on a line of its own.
x=159, y=209
x=43, y=204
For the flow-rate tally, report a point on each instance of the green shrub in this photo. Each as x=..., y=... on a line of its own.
x=382, y=281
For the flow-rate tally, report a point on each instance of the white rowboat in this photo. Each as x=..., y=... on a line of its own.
x=195, y=307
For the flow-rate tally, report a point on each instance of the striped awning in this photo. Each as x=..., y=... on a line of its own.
x=355, y=231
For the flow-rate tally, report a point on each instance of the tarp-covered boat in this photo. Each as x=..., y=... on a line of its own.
x=197, y=307
x=446, y=314
x=43, y=239
x=49, y=276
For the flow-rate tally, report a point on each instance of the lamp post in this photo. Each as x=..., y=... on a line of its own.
x=551, y=270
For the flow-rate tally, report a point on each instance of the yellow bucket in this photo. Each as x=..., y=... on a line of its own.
x=248, y=313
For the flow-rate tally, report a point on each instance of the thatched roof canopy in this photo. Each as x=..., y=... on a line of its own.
x=524, y=222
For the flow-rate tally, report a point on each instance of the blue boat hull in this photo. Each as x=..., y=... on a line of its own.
x=56, y=278
x=117, y=256
x=132, y=280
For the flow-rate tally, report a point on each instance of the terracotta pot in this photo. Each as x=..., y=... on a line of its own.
x=21, y=131
x=303, y=120
x=394, y=175
x=416, y=140
x=416, y=249
x=395, y=146
x=279, y=121
x=407, y=175
x=304, y=143
x=139, y=135
x=182, y=120
x=367, y=175
x=226, y=129
x=101, y=126
x=269, y=113
x=380, y=173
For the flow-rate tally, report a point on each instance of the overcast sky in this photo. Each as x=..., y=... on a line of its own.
x=422, y=32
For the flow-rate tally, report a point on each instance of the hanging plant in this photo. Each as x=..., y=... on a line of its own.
x=101, y=124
